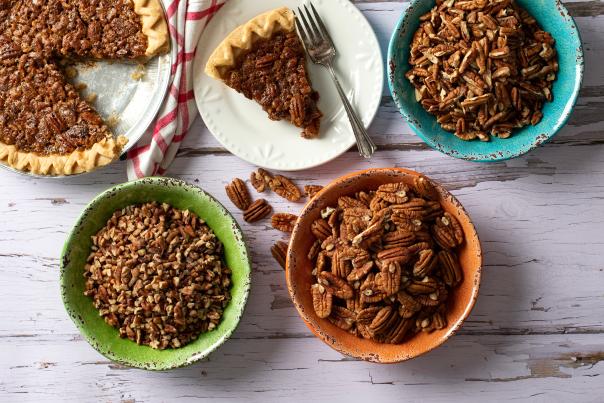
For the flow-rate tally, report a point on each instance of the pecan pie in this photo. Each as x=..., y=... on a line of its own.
x=45, y=127
x=264, y=60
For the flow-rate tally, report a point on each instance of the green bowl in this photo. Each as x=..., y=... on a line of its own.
x=554, y=18
x=104, y=338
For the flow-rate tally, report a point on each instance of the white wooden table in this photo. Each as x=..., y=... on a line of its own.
x=536, y=333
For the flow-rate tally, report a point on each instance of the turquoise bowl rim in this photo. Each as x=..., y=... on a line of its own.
x=238, y=308
x=496, y=155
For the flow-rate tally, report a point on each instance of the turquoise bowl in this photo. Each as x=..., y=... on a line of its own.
x=554, y=18
x=104, y=338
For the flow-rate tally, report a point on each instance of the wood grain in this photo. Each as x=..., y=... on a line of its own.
x=536, y=333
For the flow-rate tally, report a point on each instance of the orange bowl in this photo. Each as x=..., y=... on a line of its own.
x=300, y=278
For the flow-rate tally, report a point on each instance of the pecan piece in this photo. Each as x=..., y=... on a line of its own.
x=320, y=229
x=342, y=317
x=284, y=222
x=335, y=285
x=322, y=301
x=425, y=188
x=285, y=188
x=450, y=269
x=425, y=286
x=367, y=315
x=257, y=211
x=312, y=190
x=394, y=193
x=426, y=263
x=260, y=179
x=408, y=305
x=448, y=232
x=384, y=320
x=389, y=278
x=279, y=252
x=238, y=194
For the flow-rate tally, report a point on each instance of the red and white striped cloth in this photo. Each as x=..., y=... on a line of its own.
x=157, y=148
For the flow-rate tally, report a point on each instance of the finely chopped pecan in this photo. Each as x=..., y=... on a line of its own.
x=156, y=273
x=483, y=68
x=384, y=261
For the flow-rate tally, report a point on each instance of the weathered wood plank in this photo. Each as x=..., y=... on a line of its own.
x=467, y=368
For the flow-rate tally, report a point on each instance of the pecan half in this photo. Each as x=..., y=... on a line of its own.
x=257, y=211
x=260, y=180
x=284, y=222
x=335, y=285
x=279, y=252
x=321, y=300
x=238, y=193
x=285, y=188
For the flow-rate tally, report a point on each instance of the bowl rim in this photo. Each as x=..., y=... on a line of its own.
x=486, y=157
x=241, y=244
x=314, y=324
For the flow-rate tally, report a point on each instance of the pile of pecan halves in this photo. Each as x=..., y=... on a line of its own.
x=385, y=262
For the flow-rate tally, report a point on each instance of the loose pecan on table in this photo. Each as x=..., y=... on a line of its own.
x=284, y=222
x=238, y=193
x=257, y=211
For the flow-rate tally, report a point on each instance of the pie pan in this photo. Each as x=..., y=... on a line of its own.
x=300, y=278
x=128, y=95
x=554, y=18
x=104, y=338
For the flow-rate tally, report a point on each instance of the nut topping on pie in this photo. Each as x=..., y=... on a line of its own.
x=45, y=127
x=264, y=60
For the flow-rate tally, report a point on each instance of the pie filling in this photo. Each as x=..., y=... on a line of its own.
x=40, y=112
x=273, y=73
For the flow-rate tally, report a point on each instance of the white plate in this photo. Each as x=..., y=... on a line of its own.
x=243, y=127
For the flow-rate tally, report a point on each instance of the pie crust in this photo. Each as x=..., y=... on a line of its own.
x=155, y=27
x=78, y=161
x=243, y=37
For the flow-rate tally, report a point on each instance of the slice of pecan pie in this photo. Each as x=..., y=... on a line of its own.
x=45, y=127
x=264, y=60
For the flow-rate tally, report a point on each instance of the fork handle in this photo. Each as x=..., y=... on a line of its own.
x=366, y=146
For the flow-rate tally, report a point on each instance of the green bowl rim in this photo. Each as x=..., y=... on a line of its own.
x=495, y=157
x=155, y=366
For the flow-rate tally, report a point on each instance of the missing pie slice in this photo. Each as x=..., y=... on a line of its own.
x=264, y=60
x=45, y=127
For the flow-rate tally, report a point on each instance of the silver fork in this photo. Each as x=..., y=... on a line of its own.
x=322, y=51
